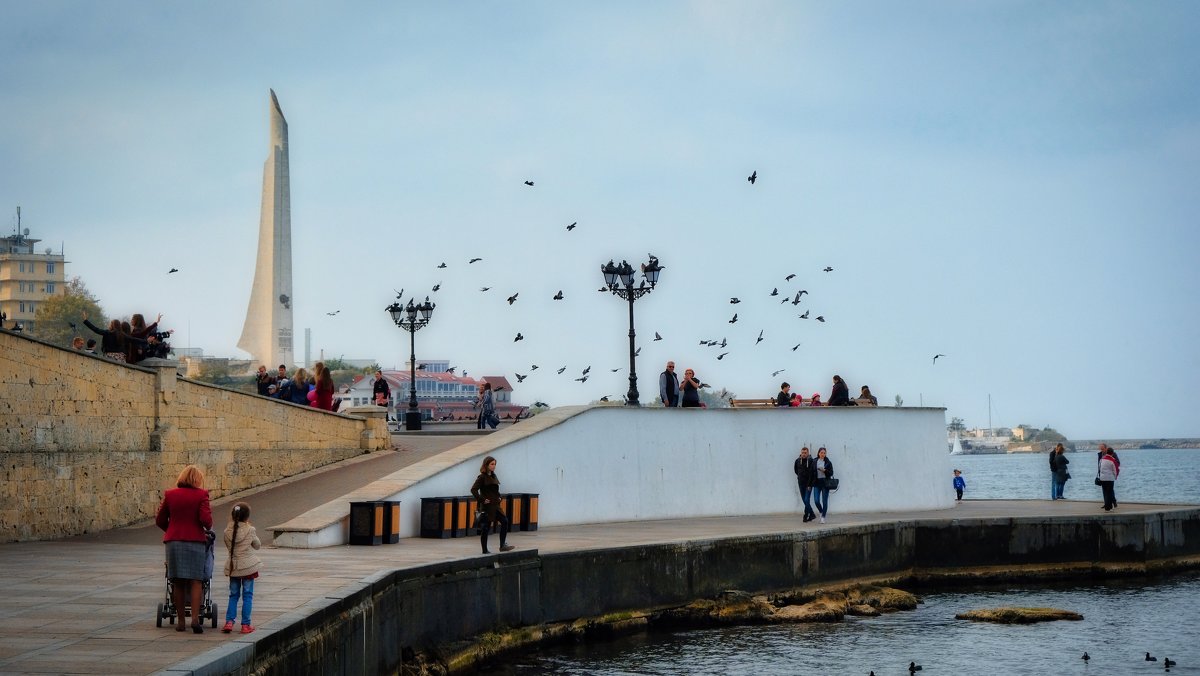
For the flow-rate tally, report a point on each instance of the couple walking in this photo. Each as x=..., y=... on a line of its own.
x=814, y=475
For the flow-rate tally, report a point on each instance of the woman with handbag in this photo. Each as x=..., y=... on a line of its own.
x=487, y=409
x=1106, y=476
x=823, y=483
x=486, y=491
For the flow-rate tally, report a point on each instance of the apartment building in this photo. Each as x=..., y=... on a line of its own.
x=27, y=278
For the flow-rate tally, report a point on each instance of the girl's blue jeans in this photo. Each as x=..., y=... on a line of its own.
x=243, y=587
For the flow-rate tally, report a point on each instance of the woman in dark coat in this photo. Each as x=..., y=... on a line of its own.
x=824, y=470
x=840, y=396
x=1060, y=471
x=185, y=515
x=114, y=343
x=689, y=389
x=486, y=491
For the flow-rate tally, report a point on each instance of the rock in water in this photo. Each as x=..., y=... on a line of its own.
x=1009, y=615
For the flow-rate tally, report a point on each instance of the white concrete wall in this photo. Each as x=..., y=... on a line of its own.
x=620, y=464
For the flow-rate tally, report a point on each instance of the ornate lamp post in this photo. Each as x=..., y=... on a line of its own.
x=406, y=317
x=619, y=280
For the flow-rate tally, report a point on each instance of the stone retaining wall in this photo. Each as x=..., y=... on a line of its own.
x=397, y=619
x=88, y=444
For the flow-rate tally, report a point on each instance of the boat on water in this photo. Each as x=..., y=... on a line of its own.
x=956, y=448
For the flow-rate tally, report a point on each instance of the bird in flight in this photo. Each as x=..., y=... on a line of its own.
x=935, y=357
x=734, y=301
x=498, y=389
x=529, y=183
x=474, y=260
x=533, y=367
x=442, y=266
x=721, y=356
x=451, y=370
x=723, y=343
x=333, y=313
x=582, y=380
x=775, y=291
x=521, y=378
x=604, y=398
x=572, y=226
x=519, y=337
x=734, y=320
x=421, y=367
x=796, y=346
x=485, y=288
x=656, y=336
x=437, y=286
x=753, y=177
x=172, y=270
x=560, y=371
x=399, y=294
x=586, y=371
x=759, y=338
x=777, y=372
x=637, y=352
x=805, y=315
x=558, y=296
x=789, y=277
x=615, y=370
x=821, y=318
x=513, y=298
x=828, y=269
x=784, y=301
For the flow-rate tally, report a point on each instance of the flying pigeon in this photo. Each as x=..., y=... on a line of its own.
x=560, y=371
x=784, y=301
x=485, y=288
x=777, y=372
x=821, y=318
x=443, y=265
x=935, y=357
x=734, y=320
x=437, y=286
x=604, y=398
x=558, y=296
x=582, y=380
x=474, y=260
x=333, y=313
x=451, y=370
x=533, y=367
x=721, y=356
x=789, y=277
x=796, y=346
x=615, y=370
x=585, y=371
x=753, y=177
x=805, y=315
x=656, y=336
x=421, y=367
x=172, y=270
x=637, y=352
x=519, y=337
x=529, y=183
x=759, y=338
x=572, y=226
x=775, y=291
x=521, y=378
x=734, y=301
x=828, y=269
x=723, y=343
x=513, y=298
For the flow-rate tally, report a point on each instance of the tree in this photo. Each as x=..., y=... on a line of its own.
x=899, y=401
x=716, y=399
x=956, y=425
x=215, y=371
x=372, y=368
x=55, y=315
x=337, y=364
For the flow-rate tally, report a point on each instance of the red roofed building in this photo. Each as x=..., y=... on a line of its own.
x=441, y=395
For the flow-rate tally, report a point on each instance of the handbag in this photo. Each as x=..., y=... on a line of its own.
x=832, y=484
x=1097, y=481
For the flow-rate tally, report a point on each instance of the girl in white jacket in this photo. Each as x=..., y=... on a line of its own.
x=242, y=566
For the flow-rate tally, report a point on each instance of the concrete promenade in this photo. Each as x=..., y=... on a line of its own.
x=87, y=604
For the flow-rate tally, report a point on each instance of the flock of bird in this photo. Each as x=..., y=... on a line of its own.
x=913, y=667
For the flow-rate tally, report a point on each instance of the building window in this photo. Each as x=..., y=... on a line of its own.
x=21, y=287
x=49, y=287
x=21, y=308
x=22, y=266
x=49, y=268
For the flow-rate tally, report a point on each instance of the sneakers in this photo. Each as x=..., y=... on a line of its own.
x=822, y=519
x=228, y=627
x=507, y=548
x=246, y=629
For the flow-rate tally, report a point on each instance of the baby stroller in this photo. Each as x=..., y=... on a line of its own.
x=208, y=611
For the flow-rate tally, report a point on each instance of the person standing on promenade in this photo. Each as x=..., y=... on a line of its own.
x=241, y=540
x=690, y=389
x=185, y=515
x=784, y=398
x=486, y=491
x=960, y=484
x=381, y=392
x=840, y=396
x=1053, y=473
x=668, y=386
x=1107, y=474
x=824, y=470
x=486, y=406
x=1106, y=449
x=1060, y=471
x=806, y=475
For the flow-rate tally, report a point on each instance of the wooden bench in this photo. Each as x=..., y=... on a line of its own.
x=752, y=403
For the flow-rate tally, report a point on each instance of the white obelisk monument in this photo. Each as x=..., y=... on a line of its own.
x=267, y=334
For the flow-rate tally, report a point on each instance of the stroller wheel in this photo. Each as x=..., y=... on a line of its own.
x=158, y=618
x=213, y=615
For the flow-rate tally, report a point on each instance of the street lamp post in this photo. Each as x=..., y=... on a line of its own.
x=406, y=317
x=619, y=280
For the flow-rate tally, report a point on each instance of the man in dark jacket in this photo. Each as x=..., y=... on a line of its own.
x=784, y=398
x=806, y=475
x=381, y=392
x=668, y=386
x=1053, y=469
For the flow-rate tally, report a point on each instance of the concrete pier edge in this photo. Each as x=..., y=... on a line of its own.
x=399, y=618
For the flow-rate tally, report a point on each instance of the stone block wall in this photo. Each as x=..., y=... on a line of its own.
x=87, y=444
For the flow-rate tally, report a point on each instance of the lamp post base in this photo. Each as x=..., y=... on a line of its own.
x=412, y=421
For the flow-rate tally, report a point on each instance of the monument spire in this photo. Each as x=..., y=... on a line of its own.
x=267, y=333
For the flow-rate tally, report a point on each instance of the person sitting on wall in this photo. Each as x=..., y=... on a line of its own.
x=816, y=400
x=866, y=398
x=784, y=398
x=840, y=396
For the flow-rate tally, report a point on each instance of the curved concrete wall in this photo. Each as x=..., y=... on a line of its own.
x=611, y=463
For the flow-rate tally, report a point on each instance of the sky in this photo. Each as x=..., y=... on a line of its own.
x=1009, y=184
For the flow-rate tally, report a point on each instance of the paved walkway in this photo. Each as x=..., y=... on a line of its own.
x=87, y=605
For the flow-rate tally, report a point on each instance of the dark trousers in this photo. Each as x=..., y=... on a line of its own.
x=1110, y=496
x=959, y=491
x=806, y=496
x=486, y=528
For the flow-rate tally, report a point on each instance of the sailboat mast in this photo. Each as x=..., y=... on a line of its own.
x=989, y=414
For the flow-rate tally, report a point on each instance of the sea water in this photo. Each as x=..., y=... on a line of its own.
x=1123, y=619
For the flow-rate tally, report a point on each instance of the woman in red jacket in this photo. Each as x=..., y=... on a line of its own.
x=185, y=514
x=324, y=391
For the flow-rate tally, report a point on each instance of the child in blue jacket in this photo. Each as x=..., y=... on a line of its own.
x=959, y=483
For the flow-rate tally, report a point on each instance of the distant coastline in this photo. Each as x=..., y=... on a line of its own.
x=970, y=448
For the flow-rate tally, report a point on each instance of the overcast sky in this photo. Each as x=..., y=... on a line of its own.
x=1011, y=184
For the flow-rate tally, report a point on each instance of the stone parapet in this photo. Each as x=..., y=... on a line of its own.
x=90, y=444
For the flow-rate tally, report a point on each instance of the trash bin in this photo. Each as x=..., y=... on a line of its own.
x=437, y=517
x=511, y=504
x=464, y=516
x=530, y=512
x=391, y=522
x=366, y=523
